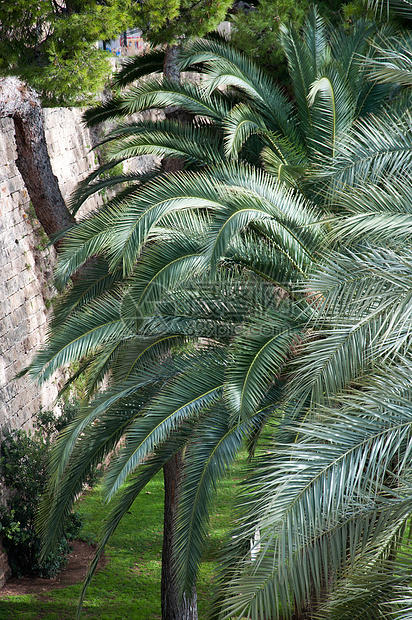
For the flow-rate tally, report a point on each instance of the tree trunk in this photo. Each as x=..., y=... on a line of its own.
x=172, y=607
x=22, y=104
x=171, y=71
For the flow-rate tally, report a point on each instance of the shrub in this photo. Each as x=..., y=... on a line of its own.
x=23, y=469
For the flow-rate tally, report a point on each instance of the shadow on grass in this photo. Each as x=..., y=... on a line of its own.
x=24, y=608
x=107, y=608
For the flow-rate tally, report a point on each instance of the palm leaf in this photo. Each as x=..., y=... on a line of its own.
x=374, y=590
x=377, y=147
x=380, y=214
x=180, y=400
x=84, y=445
x=136, y=67
x=383, y=8
x=123, y=503
x=279, y=213
x=159, y=93
x=124, y=185
x=354, y=452
x=162, y=267
x=108, y=110
x=210, y=452
x=258, y=355
x=333, y=110
x=96, y=281
x=226, y=67
x=199, y=145
x=100, y=322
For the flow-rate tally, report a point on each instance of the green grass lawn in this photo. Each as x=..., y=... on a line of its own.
x=128, y=588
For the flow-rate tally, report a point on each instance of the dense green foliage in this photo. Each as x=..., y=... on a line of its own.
x=256, y=32
x=52, y=45
x=167, y=21
x=23, y=466
x=255, y=26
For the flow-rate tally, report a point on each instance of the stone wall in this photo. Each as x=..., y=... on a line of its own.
x=26, y=264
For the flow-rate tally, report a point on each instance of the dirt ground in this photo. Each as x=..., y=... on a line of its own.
x=75, y=572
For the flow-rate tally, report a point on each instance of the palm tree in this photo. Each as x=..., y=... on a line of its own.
x=133, y=329
x=233, y=99
x=332, y=501
x=231, y=258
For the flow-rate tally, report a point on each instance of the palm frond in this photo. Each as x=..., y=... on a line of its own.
x=160, y=93
x=332, y=110
x=121, y=229
x=346, y=50
x=194, y=143
x=100, y=322
x=209, y=453
x=361, y=314
x=136, y=67
x=101, y=182
x=226, y=67
x=280, y=213
x=135, y=355
x=258, y=355
x=95, y=282
x=374, y=590
x=315, y=37
x=180, y=400
x=83, y=445
x=392, y=63
x=377, y=147
x=260, y=255
x=379, y=300
x=99, y=367
x=130, y=395
x=108, y=110
x=203, y=308
x=338, y=483
x=302, y=66
x=383, y=8
x=379, y=214
x=243, y=122
x=123, y=502
x=162, y=266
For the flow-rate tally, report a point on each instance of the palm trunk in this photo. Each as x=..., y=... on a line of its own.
x=173, y=607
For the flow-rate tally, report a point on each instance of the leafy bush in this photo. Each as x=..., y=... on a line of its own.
x=256, y=32
x=23, y=469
